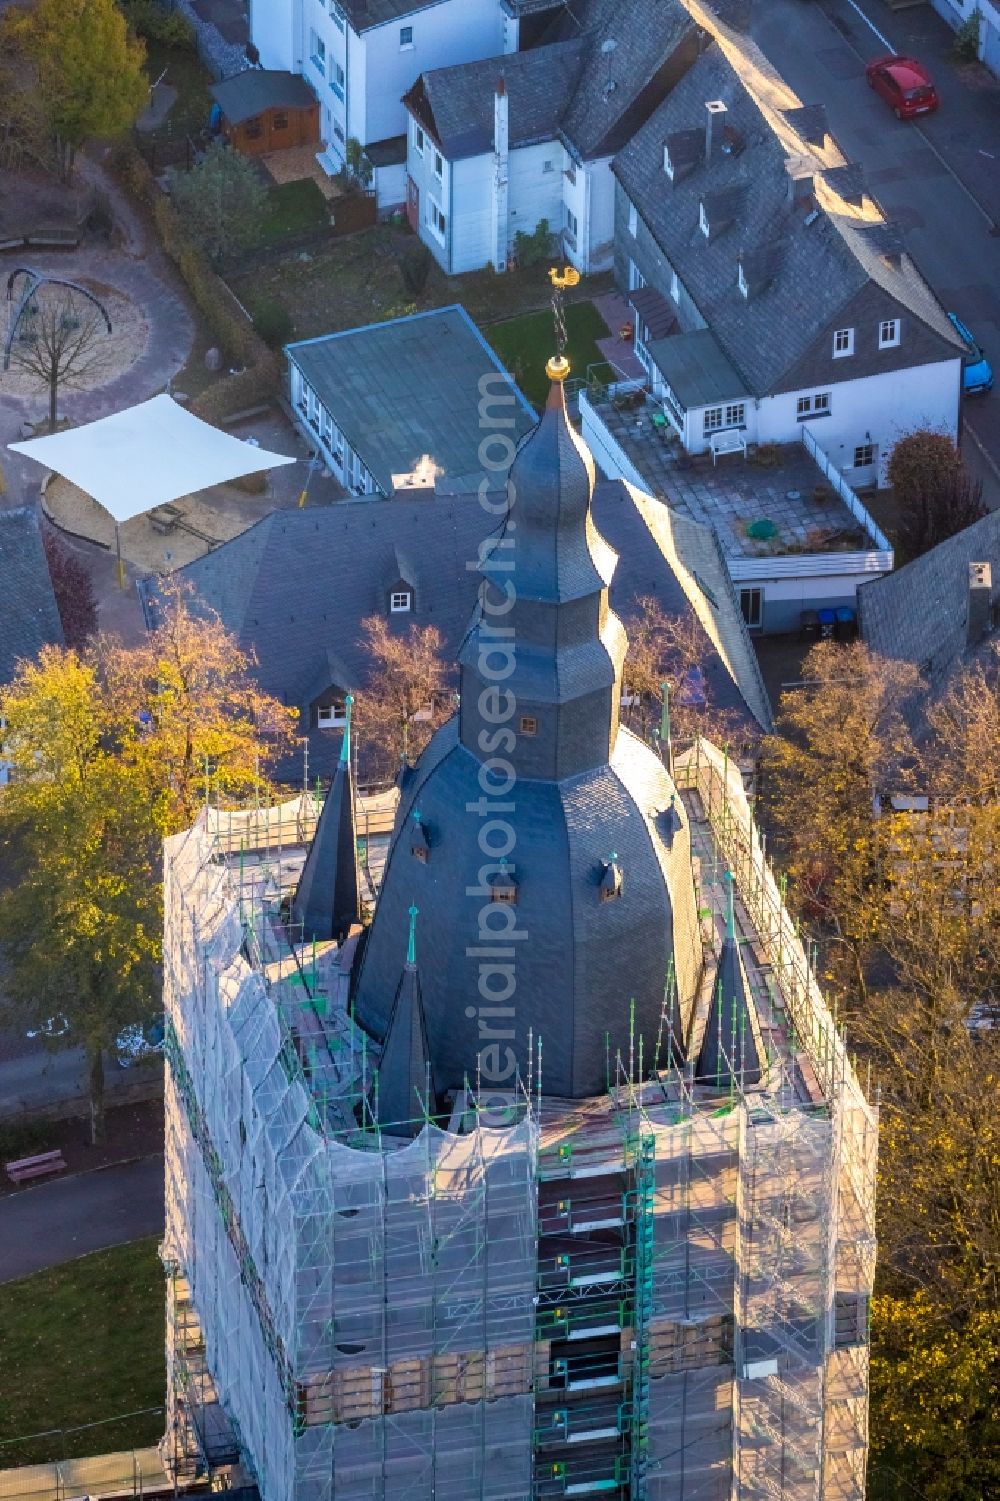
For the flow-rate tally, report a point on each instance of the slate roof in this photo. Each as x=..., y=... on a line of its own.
x=409, y=387
x=258, y=89
x=646, y=33
x=29, y=618
x=457, y=104
x=584, y=787
x=295, y=588
x=695, y=367
x=365, y=15
x=569, y=88
x=919, y=613
x=819, y=262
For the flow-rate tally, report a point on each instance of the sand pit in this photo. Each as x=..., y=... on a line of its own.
x=156, y=541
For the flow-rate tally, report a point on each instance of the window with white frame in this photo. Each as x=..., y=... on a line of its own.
x=400, y=601
x=675, y=288
x=337, y=81
x=717, y=418
x=572, y=226
x=436, y=218
x=741, y=280
x=317, y=53
x=571, y=173
x=405, y=37
x=864, y=456
x=418, y=139
x=635, y=277
x=336, y=15
x=332, y=716
x=702, y=220
x=711, y=420
x=843, y=343
x=438, y=165
x=633, y=220
x=736, y=414
x=816, y=405
x=668, y=165
x=888, y=333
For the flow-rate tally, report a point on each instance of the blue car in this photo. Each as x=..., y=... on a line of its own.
x=977, y=372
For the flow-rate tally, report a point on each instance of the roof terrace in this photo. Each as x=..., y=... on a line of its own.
x=783, y=502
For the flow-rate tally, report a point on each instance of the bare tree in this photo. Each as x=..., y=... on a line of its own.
x=671, y=649
x=62, y=340
x=407, y=694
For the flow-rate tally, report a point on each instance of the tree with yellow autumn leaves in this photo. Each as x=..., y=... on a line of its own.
x=885, y=801
x=109, y=751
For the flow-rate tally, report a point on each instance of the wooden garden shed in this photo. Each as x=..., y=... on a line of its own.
x=266, y=110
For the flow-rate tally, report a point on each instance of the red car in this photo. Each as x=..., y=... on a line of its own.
x=905, y=85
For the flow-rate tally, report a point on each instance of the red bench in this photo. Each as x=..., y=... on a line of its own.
x=26, y=1168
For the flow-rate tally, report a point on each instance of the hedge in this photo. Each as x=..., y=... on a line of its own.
x=260, y=376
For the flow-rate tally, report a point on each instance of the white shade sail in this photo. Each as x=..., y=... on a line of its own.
x=146, y=456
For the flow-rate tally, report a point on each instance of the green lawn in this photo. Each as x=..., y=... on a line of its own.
x=82, y=1343
x=294, y=208
x=524, y=344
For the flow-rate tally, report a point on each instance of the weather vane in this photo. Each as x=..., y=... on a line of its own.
x=558, y=367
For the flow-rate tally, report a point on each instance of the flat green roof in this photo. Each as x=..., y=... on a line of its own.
x=696, y=369
x=411, y=387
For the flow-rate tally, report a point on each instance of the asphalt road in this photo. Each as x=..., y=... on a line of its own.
x=938, y=179
x=67, y=1217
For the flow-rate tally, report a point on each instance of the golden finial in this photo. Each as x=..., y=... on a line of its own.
x=557, y=368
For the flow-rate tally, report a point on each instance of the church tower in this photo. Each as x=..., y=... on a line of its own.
x=538, y=837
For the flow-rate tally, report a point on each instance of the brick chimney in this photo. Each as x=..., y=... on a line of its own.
x=979, y=616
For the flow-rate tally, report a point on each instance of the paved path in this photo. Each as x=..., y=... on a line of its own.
x=65, y=1218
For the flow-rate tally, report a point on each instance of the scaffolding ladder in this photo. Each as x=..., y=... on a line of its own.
x=645, y=1194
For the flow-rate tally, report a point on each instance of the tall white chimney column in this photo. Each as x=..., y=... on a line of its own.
x=501, y=175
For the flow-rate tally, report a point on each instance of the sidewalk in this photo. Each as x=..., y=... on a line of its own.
x=132, y=1472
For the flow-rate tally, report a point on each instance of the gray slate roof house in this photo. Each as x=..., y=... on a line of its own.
x=455, y=104
x=936, y=612
x=409, y=388
x=296, y=587
x=607, y=66
x=29, y=618
x=808, y=266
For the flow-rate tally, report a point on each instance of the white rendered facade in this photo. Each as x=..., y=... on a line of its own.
x=360, y=77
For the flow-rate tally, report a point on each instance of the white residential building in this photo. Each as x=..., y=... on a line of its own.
x=360, y=57
x=770, y=294
x=498, y=145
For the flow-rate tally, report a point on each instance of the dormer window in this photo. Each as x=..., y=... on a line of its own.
x=668, y=165
x=741, y=280
x=503, y=887
x=888, y=333
x=400, y=601
x=419, y=844
x=332, y=716
x=529, y=724
x=611, y=879
x=703, y=220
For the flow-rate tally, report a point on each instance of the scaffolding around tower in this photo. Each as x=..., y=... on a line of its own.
x=659, y=1292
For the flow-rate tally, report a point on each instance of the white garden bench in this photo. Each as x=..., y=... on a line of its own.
x=728, y=440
